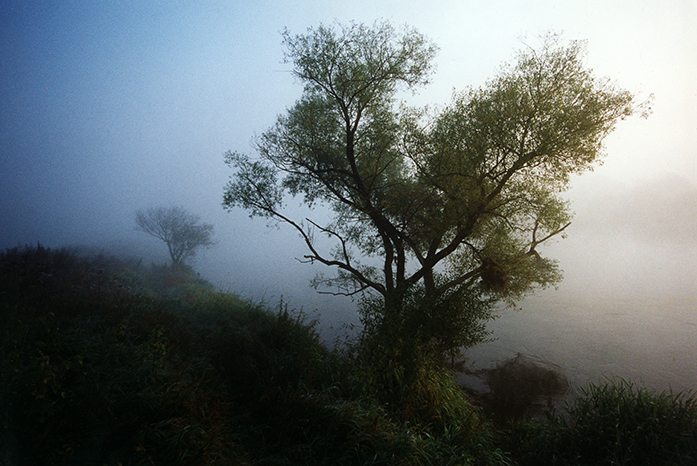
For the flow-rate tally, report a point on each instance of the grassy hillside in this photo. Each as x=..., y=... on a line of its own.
x=109, y=361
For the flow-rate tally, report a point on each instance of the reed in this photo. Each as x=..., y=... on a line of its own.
x=614, y=423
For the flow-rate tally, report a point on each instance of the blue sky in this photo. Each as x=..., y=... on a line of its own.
x=113, y=106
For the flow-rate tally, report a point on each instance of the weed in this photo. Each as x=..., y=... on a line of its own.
x=615, y=423
x=106, y=361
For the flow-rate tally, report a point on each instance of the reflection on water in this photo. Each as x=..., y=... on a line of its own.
x=649, y=341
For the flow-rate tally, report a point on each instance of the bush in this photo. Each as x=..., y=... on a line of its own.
x=104, y=361
x=96, y=373
x=614, y=424
x=418, y=393
x=89, y=394
x=521, y=388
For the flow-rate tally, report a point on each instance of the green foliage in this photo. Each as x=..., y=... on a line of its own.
x=98, y=368
x=94, y=372
x=414, y=391
x=164, y=281
x=446, y=207
x=443, y=325
x=614, y=424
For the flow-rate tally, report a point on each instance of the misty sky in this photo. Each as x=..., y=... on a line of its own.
x=113, y=106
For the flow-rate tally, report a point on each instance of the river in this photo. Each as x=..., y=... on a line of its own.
x=625, y=309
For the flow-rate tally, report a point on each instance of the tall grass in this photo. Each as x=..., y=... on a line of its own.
x=107, y=361
x=616, y=423
x=94, y=372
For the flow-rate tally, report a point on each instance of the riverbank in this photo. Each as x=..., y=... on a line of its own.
x=110, y=361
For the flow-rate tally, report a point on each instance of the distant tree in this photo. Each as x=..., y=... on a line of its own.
x=447, y=209
x=179, y=229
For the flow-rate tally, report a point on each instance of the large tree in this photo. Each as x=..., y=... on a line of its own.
x=437, y=214
x=179, y=229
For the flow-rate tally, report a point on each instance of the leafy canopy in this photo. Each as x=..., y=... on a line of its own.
x=179, y=229
x=432, y=211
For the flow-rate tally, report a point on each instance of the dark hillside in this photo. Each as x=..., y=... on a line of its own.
x=95, y=368
x=109, y=361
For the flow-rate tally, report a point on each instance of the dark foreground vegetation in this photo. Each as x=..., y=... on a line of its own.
x=111, y=362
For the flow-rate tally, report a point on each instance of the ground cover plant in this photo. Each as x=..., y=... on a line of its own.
x=108, y=361
x=95, y=373
x=613, y=423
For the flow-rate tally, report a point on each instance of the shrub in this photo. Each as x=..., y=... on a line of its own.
x=95, y=373
x=99, y=368
x=615, y=423
x=85, y=394
x=519, y=388
x=419, y=394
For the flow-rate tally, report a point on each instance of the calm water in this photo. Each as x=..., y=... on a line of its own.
x=649, y=341
x=624, y=309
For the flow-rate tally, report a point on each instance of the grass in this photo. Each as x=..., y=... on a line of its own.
x=615, y=423
x=107, y=361
x=95, y=372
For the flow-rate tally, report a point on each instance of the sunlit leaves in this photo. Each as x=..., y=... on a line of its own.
x=358, y=65
x=450, y=203
x=545, y=119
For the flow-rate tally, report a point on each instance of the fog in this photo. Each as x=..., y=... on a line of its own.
x=628, y=304
x=111, y=107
